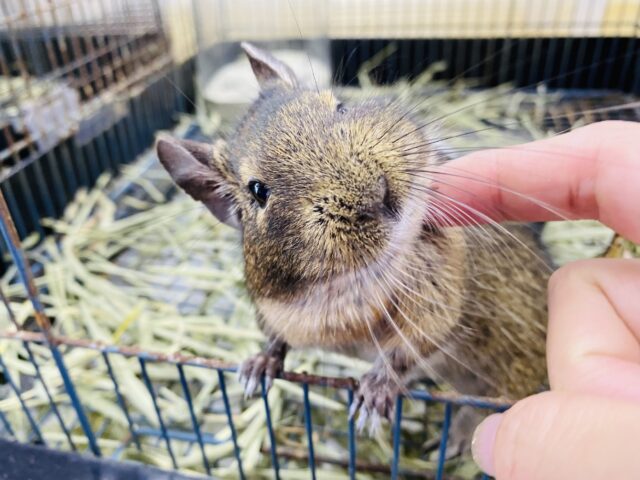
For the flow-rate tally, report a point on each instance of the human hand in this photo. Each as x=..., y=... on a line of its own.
x=588, y=425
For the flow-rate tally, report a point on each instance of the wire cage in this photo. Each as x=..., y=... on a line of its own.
x=85, y=86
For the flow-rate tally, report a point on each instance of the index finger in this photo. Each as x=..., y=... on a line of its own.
x=590, y=173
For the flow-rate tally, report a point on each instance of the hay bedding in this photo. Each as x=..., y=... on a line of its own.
x=166, y=277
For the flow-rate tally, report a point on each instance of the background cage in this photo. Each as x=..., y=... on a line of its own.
x=85, y=85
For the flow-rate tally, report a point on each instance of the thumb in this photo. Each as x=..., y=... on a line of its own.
x=561, y=435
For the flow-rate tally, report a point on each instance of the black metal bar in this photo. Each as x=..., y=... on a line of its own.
x=352, y=440
x=25, y=409
x=443, y=441
x=12, y=241
x=496, y=404
x=192, y=414
x=309, y=429
x=272, y=436
x=121, y=402
x=232, y=428
x=152, y=393
x=397, y=429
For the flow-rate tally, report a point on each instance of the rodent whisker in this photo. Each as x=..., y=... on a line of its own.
x=443, y=155
x=417, y=155
x=462, y=212
x=342, y=65
x=431, y=270
x=295, y=19
x=405, y=287
x=549, y=119
x=515, y=89
x=482, y=309
x=418, y=355
x=533, y=200
x=453, y=217
x=386, y=132
x=412, y=146
x=398, y=381
x=398, y=331
x=451, y=82
x=478, y=232
x=391, y=126
x=497, y=225
x=447, y=216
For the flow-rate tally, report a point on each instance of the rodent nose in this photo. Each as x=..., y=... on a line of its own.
x=378, y=200
x=382, y=186
x=356, y=201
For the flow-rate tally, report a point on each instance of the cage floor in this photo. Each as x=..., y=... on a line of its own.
x=197, y=309
x=175, y=288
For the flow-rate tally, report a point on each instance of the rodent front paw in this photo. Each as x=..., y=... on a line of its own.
x=375, y=400
x=251, y=371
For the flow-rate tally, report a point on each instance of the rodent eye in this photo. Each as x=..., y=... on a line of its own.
x=340, y=108
x=259, y=191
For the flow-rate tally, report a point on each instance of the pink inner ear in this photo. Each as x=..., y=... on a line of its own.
x=188, y=164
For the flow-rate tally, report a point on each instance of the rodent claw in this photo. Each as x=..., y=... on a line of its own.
x=240, y=376
x=250, y=387
x=268, y=382
x=375, y=423
x=375, y=399
x=355, y=406
x=362, y=419
x=254, y=369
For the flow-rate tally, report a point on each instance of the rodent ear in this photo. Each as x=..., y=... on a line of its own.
x=199, y=170
x=268, y=69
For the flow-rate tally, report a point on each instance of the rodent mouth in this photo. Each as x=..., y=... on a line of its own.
x=388, y=252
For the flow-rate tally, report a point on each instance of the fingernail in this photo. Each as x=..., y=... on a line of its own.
x=483, y=442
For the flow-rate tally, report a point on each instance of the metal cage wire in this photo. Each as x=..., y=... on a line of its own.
x=104, y=76
x=57, y=345
x=84, y=85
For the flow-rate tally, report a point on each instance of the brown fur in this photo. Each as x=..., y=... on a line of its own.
x=341, y=255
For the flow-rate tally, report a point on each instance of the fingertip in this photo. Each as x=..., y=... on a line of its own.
x=483, y=442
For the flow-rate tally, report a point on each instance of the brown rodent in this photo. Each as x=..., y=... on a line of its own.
x=345, y=245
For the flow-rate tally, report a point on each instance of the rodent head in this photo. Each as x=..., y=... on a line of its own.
x=319, y=188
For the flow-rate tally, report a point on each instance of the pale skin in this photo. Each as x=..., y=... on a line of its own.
x=588, y=425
